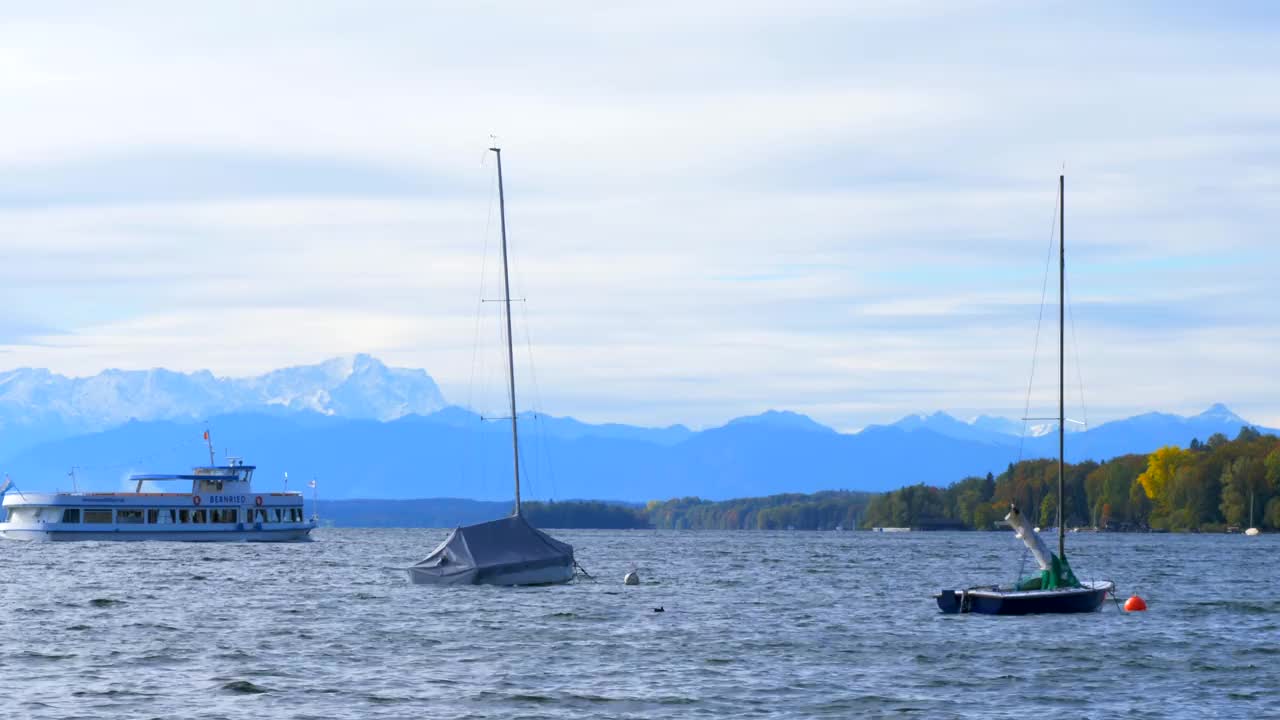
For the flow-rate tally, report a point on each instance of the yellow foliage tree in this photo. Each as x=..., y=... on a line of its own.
x=1161, y=466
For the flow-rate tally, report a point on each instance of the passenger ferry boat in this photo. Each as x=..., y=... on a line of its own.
x=221, y=507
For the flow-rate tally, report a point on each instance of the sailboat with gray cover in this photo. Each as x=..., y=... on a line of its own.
x=508, y=551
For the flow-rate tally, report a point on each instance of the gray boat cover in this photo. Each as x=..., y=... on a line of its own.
x=504, y=551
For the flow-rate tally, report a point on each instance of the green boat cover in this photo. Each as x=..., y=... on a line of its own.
x=1058, y=575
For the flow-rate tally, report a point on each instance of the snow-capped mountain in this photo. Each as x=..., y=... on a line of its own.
x=1135, y=434
x=1017, y=428
x=993, y=423
x=37, y=405
x=948, y=426
x=354, y=386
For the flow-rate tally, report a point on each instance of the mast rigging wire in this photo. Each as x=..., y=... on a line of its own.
x=1075, y=345
x=477, y=439
x=1035, y=352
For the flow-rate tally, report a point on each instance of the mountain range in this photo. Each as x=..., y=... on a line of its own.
x=365, y=430
x=38, y=406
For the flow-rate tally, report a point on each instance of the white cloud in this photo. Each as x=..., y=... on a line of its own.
x=714, y=209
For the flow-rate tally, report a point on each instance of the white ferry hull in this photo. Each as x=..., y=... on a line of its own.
x=301, y=534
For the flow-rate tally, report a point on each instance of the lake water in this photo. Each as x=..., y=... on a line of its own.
x=795, y=624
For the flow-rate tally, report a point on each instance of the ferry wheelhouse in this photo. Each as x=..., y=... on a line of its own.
x=221, y=507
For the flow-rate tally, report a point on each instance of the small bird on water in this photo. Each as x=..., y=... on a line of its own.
x=659, y=609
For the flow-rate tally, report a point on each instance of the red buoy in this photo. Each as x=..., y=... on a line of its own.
x=1135, y=604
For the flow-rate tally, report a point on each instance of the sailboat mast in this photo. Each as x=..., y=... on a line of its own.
x=511, y=358
x=1062, y=302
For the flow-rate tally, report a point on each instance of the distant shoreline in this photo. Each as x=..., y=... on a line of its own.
x=1218, y=486
x=447, y=513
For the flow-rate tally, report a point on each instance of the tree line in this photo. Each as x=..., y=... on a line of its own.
x=1206, y=487
x=827, y=510
x=592, y=514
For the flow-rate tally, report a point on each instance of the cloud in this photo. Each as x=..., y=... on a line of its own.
x=203, y=176
x=713, y=209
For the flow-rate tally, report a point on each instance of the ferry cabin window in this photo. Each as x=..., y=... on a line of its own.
x=128, y=516
x=29, y=515
x=37, y=514
x=160, y=516
x=184, y=516
x=223, y=515
x=97, y=517
x=277, y=514
x=198, y=517
x=71, y=515
x=257, y=515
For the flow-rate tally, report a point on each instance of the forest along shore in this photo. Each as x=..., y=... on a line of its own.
x=1205, y=487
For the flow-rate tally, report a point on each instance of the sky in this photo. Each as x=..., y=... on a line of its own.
x=714, y=208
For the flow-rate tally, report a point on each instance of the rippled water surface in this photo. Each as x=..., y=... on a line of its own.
x=794, y=624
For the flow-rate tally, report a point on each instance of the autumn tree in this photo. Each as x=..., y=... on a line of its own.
x=1049, y=511
x=1162, y=467
x=1243, y=480
x=1139, y=503
x=1272, y=519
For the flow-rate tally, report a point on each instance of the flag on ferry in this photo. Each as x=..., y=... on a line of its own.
x=311, y=484
x=5, y=487
x=206, y=434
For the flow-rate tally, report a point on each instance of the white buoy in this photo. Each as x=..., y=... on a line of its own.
x=1251, y=532
x=631, y=578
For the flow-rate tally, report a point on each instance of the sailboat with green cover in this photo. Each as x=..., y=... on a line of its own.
x=1055, y=589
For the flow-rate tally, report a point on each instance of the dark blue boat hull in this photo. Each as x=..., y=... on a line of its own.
x=994, y=601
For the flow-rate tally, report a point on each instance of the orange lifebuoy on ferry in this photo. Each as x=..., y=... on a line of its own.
x=195, y=499
x=258, y=501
